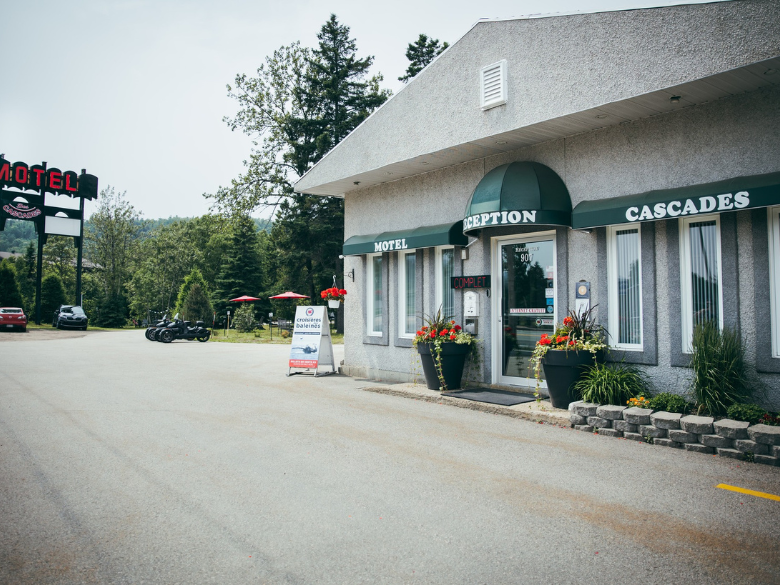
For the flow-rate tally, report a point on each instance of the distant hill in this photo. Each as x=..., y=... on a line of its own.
x=18, y=233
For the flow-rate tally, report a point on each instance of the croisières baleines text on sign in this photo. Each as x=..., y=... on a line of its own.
x=42, y=180
x=706, y=204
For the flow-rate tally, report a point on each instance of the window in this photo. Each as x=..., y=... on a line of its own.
x=492, y=86
x=774, y=275
x=445, y=295
x=624, y=263
x=375, y=292
x=700, y=274
x=407, y=288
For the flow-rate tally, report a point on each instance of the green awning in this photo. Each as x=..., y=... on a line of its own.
x=729, y=195
x=518, y=193
x=422, y=237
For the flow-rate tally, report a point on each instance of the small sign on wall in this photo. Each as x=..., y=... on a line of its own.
x=582, y=297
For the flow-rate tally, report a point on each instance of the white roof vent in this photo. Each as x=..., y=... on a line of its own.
x=492, y=84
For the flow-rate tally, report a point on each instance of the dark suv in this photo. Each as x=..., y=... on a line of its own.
x=70, y=316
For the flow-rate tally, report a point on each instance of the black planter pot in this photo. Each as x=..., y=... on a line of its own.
x=562, y=369
x=453, y=360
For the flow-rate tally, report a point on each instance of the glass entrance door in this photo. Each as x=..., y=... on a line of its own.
x=526, y=304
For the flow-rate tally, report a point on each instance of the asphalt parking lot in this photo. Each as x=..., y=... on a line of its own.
x=128, y=461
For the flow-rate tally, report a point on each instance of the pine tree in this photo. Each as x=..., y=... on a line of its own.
x=336, y=88
x=52, y=296
x=193, y=278
x=420, y=53
x=241, y=273
x=9, y=291
x=197, y=306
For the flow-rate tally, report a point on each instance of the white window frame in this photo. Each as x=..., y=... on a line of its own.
x=686, y=308
x=370, y=295
x=402, y=333
x=774, y=273
x=438, y=280
x=614, y=304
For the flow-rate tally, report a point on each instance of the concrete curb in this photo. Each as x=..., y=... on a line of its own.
x=531, y=411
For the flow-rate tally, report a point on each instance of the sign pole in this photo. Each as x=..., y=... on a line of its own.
x=80, y=241
x=39, y=275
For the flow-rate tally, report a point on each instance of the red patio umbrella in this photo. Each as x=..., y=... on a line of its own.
x=289, y=295
x=244, y=298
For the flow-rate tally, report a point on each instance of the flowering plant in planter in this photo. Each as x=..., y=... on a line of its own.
x=333, y=294
x=437, y=333
x=579, y=331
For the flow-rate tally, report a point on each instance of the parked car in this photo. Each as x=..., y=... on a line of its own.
x=70, y=316
x=13, y=318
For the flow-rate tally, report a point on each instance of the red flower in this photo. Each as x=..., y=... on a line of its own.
x=324, y=294
x=568, y=321
x=544, y=340
x=342, y=291
x=443, y=333
x=560, y=339
x=425, y=328
x=457, y=327
x=452, y=322
x=419, y=333
x=572, y=342
x=452, y=337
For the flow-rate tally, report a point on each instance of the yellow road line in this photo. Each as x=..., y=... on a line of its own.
x=732, y=488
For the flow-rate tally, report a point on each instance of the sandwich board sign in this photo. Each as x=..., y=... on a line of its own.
x=311, y=346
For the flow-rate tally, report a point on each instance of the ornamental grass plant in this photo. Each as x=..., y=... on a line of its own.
x=614, y=383
x=720, y=372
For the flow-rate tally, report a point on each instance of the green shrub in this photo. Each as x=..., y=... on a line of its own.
x=245, y=318
x=669, y=402
x=746, y=412
x=720, y=372
x=611, y=384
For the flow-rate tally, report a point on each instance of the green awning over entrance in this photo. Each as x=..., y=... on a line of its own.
x=518, y=193
x=732, y=194
x=422, y=237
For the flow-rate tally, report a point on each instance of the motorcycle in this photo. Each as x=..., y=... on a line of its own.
x=179, y=329
x=152, y=331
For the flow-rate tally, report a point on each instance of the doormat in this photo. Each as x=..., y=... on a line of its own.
x=501, y=397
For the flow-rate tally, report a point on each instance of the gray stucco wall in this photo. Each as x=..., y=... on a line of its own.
x=730, y=137
x=607, y=57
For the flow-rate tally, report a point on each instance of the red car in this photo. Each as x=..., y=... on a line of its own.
x=13, y=318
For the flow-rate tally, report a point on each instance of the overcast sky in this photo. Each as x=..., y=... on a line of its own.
x=134, y=90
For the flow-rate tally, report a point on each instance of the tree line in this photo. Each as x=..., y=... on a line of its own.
x=298, y=106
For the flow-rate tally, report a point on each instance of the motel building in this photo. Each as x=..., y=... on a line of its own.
x=631, y=159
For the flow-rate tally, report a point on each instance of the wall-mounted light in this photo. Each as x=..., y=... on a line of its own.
x=464, y=253
x=351, y=274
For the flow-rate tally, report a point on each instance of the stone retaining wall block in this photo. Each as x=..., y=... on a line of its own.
x=586, y=428
x=776, y=451
x=610, y=433
x=765, y=434
x=748, y=446
x=667, y=443
x=637, y=416
x=701, y=425
x=731, y=454
x=599, y=422
x=576, y=419
x=621, y=425
x=732, y=429
x=699, y=448
x=610, y=412
x=717, y=441
x=651, y=431
x=585, y=408
x=666, y=420
x=683, y=437
x=766, y=460
x=633, y=436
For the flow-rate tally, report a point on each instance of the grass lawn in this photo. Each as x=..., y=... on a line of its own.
x=262, y=336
